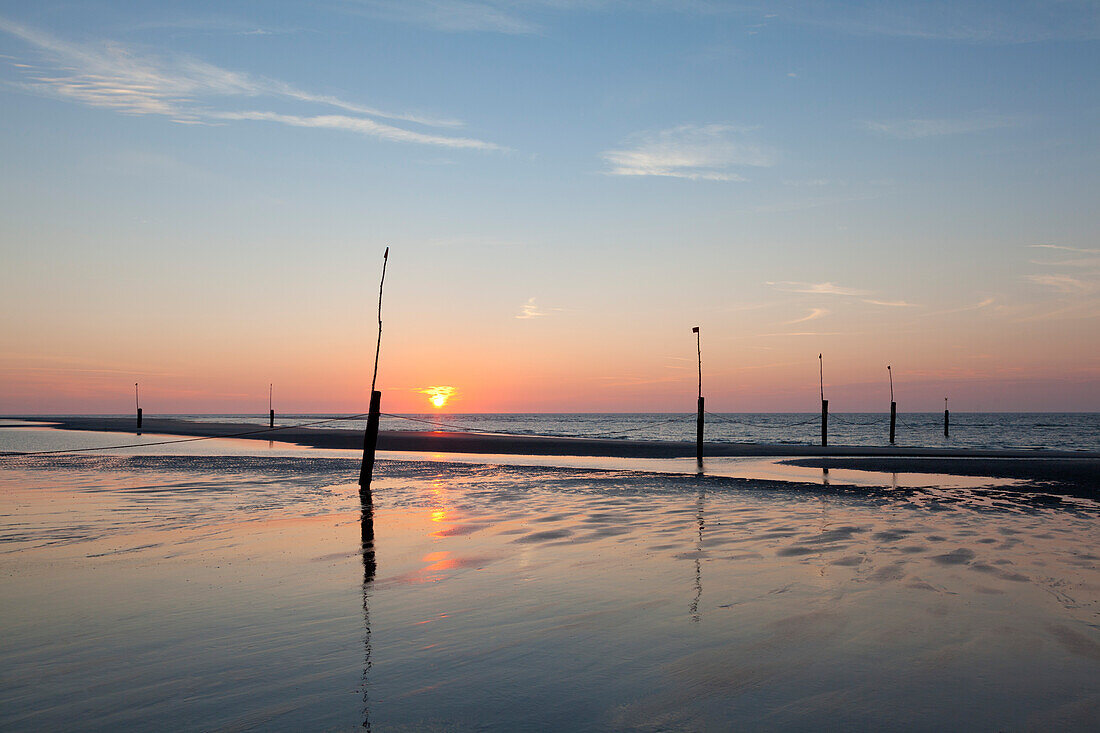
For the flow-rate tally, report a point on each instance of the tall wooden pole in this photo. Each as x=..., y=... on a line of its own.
x=137, y=404
x=893, y=405
x=370, y=436
x=270, y=407
x=699, y=416
x=824, y=403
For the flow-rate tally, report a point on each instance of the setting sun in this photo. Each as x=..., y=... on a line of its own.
x=439, y=395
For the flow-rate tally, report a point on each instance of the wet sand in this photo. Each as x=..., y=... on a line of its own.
x=1083, y=473
x=1076, y=468
x=254, y=593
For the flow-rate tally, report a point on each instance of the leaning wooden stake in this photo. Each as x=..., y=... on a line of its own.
x=893, y=406
x=699, y=416
x=370, y=437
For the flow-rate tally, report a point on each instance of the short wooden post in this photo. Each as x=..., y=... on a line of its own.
x=139, y=419
x=370, y=441
x=893, y=405
x=699, y=433
x=137, y=405
x=946, y=420
x=824, y=423
x=271, y=419
x=270, y=406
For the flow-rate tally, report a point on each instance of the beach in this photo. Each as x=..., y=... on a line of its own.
x=239, y=585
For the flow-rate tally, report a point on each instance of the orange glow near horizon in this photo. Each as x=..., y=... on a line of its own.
x=439, y=395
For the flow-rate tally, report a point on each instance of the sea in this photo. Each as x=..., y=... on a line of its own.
x=1077, y=431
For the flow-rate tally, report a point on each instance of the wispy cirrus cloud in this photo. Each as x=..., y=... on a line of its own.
x=695, y=152
x=1073, y=293
x=889, y=303
x=813, y=315
x=826, y=288
x=1090, y=260
x=113, y=76
x=531, y=309
x=1065, y=249
x=984, y=303
x=362, y=125
x=915, y=129
x=808, y=333
x=831, y=288
x=1064, y=283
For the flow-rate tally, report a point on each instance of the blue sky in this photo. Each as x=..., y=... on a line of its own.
x=567, y=187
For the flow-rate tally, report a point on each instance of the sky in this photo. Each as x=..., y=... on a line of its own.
x=196, y=196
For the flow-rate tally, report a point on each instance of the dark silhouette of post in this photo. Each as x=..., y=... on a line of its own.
x=893, y=405
x=370, y=441
x=137, y=404
x=699, y=416
x=370, y=437
x=946, y=420
x=893, y=419
x=824, y=403
x=370, y=568
x=270, y=408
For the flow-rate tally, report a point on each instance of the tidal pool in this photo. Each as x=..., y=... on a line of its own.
x=237, y=592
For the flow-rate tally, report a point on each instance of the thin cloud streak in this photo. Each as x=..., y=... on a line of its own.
x=890, y=303
x=530, y=310
x=694, y=152
x=810, y=333
x=1064, y=283
x=1065, y=249
x=814, y=314
x=977, y=306
x=826, y=288
x=363, y=126
x=111, y=76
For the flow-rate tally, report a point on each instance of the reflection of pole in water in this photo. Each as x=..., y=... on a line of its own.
x=699, y=521
x=369, y=568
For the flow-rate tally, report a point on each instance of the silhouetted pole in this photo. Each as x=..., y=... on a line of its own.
x=370, y=437
x=370, y=568
x=946, y=420
x=893, y=405
x=270, y=408
x=137, y=404
x=699, y=417
x=824, y=403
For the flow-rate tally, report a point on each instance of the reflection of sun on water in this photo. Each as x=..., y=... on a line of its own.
x=439, y=395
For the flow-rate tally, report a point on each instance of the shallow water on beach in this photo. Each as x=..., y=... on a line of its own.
x=240, y=592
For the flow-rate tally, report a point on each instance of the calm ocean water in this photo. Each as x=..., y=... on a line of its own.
x=1056, y=431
